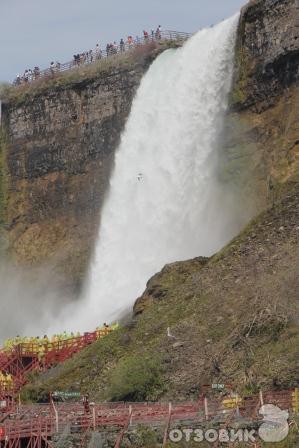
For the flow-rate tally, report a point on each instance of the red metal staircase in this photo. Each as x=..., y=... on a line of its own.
x=24, y=358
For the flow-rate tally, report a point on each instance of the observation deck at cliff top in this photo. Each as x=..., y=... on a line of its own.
x=93, y=57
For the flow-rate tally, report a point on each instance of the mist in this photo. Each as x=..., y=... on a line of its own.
x=29, y=301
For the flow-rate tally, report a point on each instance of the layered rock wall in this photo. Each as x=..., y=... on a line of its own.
x=261, y=138
x=267, y=53
x=57, y=152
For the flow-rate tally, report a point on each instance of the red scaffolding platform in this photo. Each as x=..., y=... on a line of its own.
x=39, y=356
x=35, y=426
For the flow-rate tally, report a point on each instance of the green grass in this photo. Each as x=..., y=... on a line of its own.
x=238, y=94
x=142, y=437
x=18, y=95
x=136, y=378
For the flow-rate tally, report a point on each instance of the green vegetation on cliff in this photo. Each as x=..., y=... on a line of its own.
x=3, y=176
x=144, y=54
x=232, y=319
x=238, y=93
x=136, y=379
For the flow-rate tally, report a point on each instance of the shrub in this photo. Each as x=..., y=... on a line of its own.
x=136, y=378
x=142, y=437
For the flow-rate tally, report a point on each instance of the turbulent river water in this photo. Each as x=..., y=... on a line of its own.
x=165, y=202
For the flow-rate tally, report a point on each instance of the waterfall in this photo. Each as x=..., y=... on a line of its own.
x=165, y=202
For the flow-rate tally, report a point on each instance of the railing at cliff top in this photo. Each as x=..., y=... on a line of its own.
x=88, y=58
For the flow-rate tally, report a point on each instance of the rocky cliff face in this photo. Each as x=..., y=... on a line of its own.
x=57, y=153
x=261, y=141
x=267, y=52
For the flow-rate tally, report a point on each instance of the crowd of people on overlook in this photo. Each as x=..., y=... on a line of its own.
x=37, y=342
x=90, y=56
x=41, y=345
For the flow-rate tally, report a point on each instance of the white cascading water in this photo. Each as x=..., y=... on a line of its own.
x=165, y=203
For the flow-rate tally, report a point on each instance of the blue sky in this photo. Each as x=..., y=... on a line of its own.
x=35, y=32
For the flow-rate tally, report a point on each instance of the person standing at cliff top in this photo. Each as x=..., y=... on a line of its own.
x=97, y=51
x=25, y=76
x=36, y=72
x=158, y=32
x=52, y=67
x=122, y=45
x=30, y=75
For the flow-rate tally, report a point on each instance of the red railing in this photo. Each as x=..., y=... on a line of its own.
x=40, y=355
x=27, y=421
